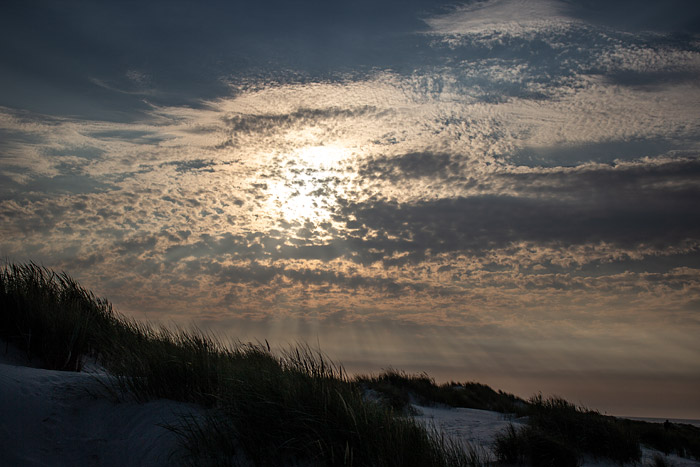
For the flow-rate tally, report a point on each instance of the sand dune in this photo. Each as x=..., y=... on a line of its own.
x=58, y=418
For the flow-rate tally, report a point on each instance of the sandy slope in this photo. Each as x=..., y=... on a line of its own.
x=478, y=428
x=52, y=418
x=472, y=427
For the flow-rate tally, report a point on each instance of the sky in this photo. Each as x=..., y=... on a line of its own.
x=502, y=191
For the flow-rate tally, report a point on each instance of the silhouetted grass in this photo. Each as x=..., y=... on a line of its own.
x=50, y=317
x=275, y=410
x=534, y=446
x=263, y=409
x=561, y=433
x=558, y=432
x=659, y=461
x=670, y=438
x=399, y=390
x=307, y=410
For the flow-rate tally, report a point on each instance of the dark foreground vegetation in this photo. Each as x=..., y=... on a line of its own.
x=297, y=408
x=558, y=433
x=399, y=390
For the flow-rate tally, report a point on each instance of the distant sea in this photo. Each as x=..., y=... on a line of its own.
x=689, y=421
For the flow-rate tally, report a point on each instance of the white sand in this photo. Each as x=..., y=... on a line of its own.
x=471, y=427
x=56, y=418
x=478, y=428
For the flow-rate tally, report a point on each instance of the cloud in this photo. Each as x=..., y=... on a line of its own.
x=58, y=184
x=525, y=17
x=626, y=204
x=412, y=165
x=509, y=187
x=504, y=166
x=299, y=117
x=679, y=16
x=194, y=165
x=511, y=16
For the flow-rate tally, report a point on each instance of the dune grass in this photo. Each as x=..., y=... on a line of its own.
x=400, y=389
x=297, y=407
x=268, y=409
x=561, y=434
x=321, y=417
x=670, y=438
x=50, y=317
x=557, y=433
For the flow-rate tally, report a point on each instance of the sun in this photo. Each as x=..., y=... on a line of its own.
x=321, y=157
x=302, y=190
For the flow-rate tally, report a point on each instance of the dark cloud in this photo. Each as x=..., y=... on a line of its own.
x=136, y=245
x=257, y=246
x=653, y=79
x=558, y=57
x=22, y=218
x=576, y=154
x=628, y=207
x=681, y=16
x=132, y=136
x=265, y=124
x=258, y=274
x=194, y=165
x=83, y=263
x=11, y=140
x=210, y=246
x=111, y=60
x=413, y=165
x=38, y=187
x=664, y=181
x=87, y=153
x=541, y=58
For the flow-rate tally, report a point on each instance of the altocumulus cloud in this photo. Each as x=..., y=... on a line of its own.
x=498, y=168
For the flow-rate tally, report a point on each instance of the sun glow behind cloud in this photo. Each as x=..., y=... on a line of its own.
x=300, y=193
x=322, y=157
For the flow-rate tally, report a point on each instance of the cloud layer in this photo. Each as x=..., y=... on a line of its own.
x=501, y=173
